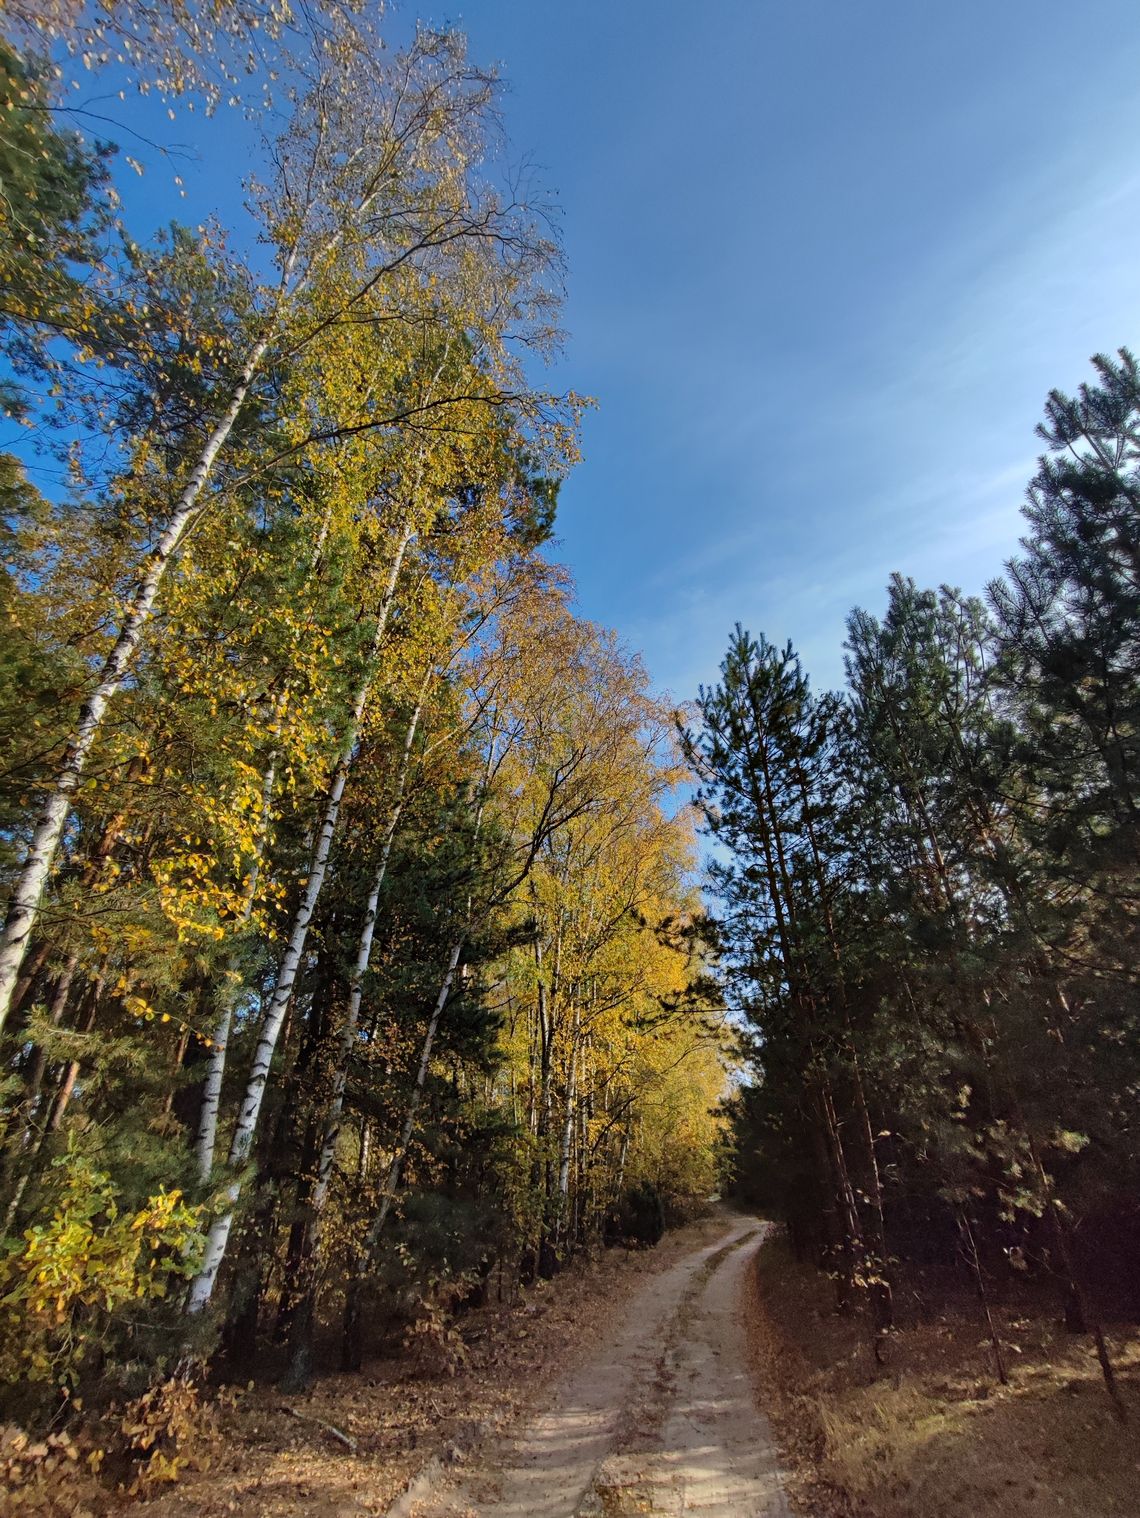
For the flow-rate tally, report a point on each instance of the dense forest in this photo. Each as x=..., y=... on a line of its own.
x=928, y=905
x=355, y=963
x=352, y=950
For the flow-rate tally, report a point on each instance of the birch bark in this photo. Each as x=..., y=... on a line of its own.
x=350, y=1353
x=27, y=893
x=217, y=1239
x=356, y=985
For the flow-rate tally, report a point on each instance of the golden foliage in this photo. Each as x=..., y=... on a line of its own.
x=83, y=1263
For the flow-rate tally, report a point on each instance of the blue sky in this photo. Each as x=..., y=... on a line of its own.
x=826, y=259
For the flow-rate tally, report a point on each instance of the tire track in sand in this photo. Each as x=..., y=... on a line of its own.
x=664, y=1421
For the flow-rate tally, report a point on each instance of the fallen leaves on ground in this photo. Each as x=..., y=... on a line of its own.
x=398, y=1415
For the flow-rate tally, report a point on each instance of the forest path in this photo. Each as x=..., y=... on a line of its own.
x=663, y=1421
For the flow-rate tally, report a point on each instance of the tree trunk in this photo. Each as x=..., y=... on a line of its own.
x=59, y=1103
x=28, y=890
x=970, y=1249
x=304, y=1284
x=206, y=1139
x=34, y=1084
x=351, y=1354
x=562, y=1219
x=218, y=1236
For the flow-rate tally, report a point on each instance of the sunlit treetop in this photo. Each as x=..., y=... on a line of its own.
x=221, y=52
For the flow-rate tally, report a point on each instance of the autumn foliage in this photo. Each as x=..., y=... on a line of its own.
x=352, y=953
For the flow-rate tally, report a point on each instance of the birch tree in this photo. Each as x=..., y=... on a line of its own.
x=371, y=179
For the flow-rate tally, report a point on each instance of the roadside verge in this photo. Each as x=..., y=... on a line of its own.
x=935, y=1433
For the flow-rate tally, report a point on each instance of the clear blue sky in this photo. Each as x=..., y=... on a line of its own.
x=826, y=259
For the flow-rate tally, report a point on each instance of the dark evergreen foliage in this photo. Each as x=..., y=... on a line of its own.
x=927, y=896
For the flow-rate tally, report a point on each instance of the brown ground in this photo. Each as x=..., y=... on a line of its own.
x=273, y=1465
x=660, y=1417
x=932, y=1436
x=935, y=1435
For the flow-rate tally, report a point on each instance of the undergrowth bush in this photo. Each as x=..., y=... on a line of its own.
x=67, y=1285
x=641, y=1214
x=167, y=1430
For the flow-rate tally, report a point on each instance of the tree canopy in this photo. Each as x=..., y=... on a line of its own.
x=352, y=942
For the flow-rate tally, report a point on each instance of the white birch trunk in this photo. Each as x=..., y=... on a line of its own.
x=392, y=1178
x=568, y=1125
x=356, y=985
x=217, y=1239
x=27, y=893
x=206, y=1141
x=621, y=1164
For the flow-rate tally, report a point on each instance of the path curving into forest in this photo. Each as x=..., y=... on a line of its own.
x=664, y=1420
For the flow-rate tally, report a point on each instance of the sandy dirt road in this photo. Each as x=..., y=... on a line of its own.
x=664, y=1421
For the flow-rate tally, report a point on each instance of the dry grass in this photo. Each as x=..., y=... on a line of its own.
x=935, y=1434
